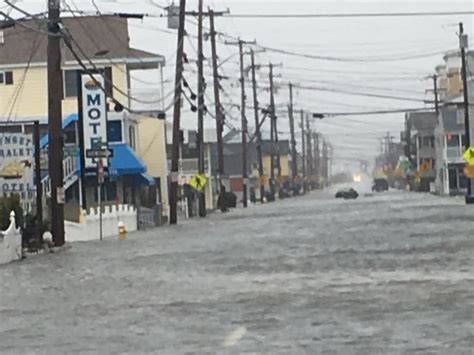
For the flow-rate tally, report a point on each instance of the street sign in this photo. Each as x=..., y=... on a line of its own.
x=468, y=156
x=469, y=171
x=60, y=195
x=99, y=153
x=198, y=182
x=100, y=171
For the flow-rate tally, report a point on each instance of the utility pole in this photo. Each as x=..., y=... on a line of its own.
x=217, y=102
x=272, y=132
x=244, y=128
x=200, y=136
x=38, y=184
x=317, y=159
x=244, y=125
x=325, y=165
x=303, y=151
x=55, y=122
x=177, y=117
x=463, y=42
x=258, y=133
x=435, y=88
x=294, y=163
x=309, y=154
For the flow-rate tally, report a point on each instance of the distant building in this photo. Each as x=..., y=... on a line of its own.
x=421, y=130
x=450, y=138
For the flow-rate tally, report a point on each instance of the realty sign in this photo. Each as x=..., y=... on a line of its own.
x=94, y=114
x=17, y=166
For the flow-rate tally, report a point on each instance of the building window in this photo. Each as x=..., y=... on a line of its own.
x=460, y=117
x=114, y=131
x=70, y=135
x=70, y=83
x=6, y=78
x=131, y=137
x=452, y=140
x=427, y=141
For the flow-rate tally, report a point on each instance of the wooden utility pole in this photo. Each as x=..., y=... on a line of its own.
x=244, y=125
x=272, y=132
x=463, y=42
x=217, y=102
x=55, y=121
x=258, y=133
x=309, y=154
x=38, y=184
x=317, y=159
x=303, y=151
x=325, y=164
x=200, y=135
x=294, y=163
x=435, y=91
x=177, y=117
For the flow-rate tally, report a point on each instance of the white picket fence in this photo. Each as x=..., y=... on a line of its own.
x=10, y=242
x=89, y=229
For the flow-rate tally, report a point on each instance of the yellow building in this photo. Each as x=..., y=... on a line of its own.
x=102, y=44
x=151, y=136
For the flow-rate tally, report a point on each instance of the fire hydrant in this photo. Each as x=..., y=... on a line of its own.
x=122, y=231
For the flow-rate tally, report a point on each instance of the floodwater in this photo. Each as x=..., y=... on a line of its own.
x=385, y=274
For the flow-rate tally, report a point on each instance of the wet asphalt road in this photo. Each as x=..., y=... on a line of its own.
x=388, y=274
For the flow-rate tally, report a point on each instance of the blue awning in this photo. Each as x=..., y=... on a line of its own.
x=73, y=117
x=125, y=161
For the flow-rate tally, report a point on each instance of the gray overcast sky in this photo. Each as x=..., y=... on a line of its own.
x=366, y=39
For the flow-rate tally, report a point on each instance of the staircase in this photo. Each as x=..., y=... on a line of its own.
x=71, y=172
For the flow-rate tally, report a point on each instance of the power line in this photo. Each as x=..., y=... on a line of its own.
x=379, y=112
x=349, y=15
x=357, y=93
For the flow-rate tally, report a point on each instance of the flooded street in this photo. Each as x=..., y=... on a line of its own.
x=390, y=273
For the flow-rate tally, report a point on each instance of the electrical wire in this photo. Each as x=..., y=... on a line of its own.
x=356, y=93
x=353, y=15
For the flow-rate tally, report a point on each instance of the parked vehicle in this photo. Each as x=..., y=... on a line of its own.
x=347, y=194
x=380, y=185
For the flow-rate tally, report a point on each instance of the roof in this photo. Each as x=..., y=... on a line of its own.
x=93, y=34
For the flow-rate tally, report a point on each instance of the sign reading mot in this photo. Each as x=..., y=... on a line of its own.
x=94, y=115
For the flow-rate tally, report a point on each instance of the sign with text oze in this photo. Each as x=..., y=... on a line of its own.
x=94, y=115
x=17, y=166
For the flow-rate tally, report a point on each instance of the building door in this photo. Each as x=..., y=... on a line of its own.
x=453, y=179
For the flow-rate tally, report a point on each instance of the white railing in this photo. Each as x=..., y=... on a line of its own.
x=10, y=242
x=70, y=175
x=89, y=228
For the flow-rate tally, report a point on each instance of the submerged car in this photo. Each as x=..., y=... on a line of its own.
x=347, y=193
x=380, y=185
